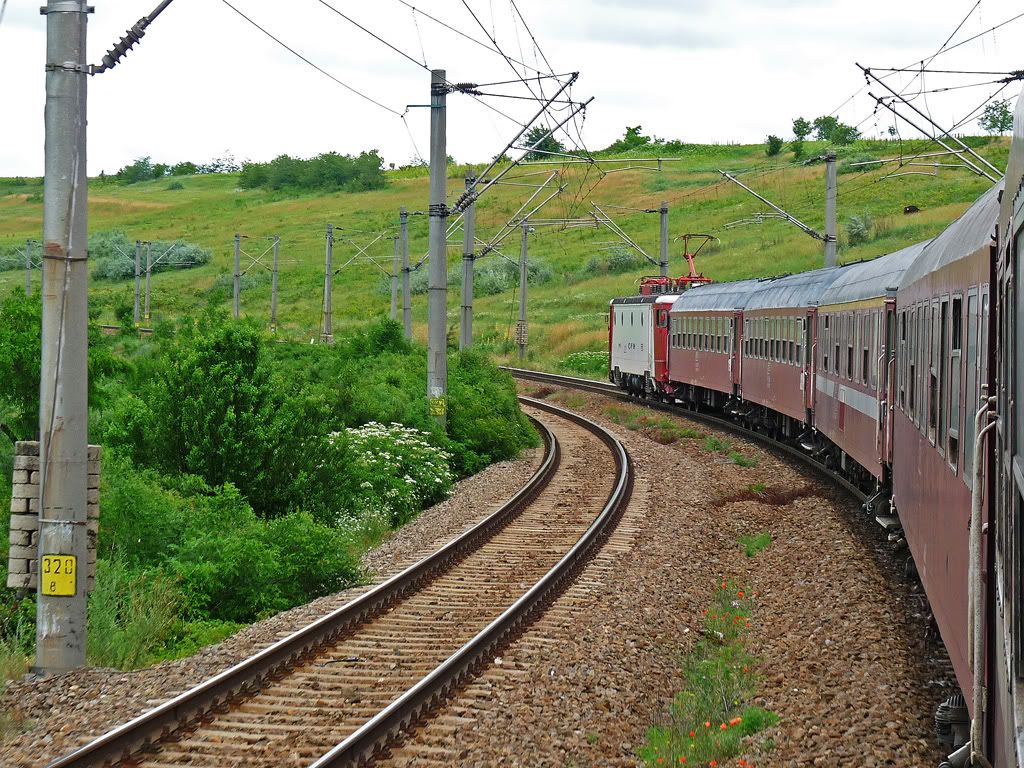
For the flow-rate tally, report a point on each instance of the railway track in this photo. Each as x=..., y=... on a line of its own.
x=340, y=690
x=610, y=390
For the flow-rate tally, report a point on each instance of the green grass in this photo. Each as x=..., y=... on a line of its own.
x=713, y=718
x=567, y=315
x=661, y=429
x=754, y=543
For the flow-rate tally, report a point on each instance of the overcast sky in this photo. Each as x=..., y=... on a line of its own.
x=203, y=81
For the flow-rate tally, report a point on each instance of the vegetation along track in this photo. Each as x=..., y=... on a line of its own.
x=610, y=390
x=339, y=690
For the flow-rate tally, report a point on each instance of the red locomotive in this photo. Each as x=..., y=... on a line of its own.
x=900, y=374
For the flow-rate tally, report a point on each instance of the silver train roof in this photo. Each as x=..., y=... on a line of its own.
x=871, y=279
x=716, y=296
x=973, y=230
x=803, y=289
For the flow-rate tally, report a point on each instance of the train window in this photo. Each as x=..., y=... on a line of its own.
x=956, y=342
x=971, y=399
x=933, y=372
x=902, y=362
x=943, y=348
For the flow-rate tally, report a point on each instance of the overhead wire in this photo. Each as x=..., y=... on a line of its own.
x=318, y=68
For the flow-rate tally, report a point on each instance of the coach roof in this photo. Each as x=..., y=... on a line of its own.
x=716, y=296
x=801, y=290
x=872, y=279
x=973, y=230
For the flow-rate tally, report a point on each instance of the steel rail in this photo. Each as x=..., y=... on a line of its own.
x=610, y=390
x=123, y=742
x=378, y=732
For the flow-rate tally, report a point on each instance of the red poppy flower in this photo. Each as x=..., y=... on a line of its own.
x=722, y=727
x=682, y=759
x=692, y=734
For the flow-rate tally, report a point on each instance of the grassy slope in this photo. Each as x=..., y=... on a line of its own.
x=566, y=314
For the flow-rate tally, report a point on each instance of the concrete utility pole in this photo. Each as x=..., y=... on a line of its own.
x=273, y=286
x=830, y=209
x=395, y=266
x=238, y=275
x=327, y=333
x=437, y=297
x=663, y=243
x=28, y=267
x=468, y=246
x=403, y=218
x=524, y=274
x=63, y=390
x=138, y=280
x=149, y=274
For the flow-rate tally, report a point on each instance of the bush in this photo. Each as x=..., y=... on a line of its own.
x=593, y=364
x=328, y=172
x=846, y=166
x=858, y=228
x=494, y=276
x=397, y=471
x=114, y=255
x=773, y=145
x=174, y=186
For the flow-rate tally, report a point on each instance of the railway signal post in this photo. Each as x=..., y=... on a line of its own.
x=663, y=243
x=403, y=218
x=327, y=332
x=273, y=286
x=468, y=243
x=395, y=261
x=524, y=272
x=437, y=297
x=149, y=274
x=830, y=209
x=138, y=280
x=63, y=390
x=238, y=274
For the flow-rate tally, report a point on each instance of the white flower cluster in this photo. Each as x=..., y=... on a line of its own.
x=400, y=469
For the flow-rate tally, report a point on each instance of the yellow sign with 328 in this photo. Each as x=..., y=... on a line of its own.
x=59, y=575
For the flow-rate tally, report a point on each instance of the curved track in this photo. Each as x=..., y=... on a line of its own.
x=610, y=390
x=339, y=690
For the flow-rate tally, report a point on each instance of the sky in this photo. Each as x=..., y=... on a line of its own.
x=204, y=82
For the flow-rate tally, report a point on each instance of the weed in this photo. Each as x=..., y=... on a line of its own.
x=742, y=461
x=752, y=544
x=593, y=738
x=715, y=445
x=758, y=488
x=712, y=719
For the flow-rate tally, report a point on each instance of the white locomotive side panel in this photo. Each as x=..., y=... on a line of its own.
x=633, y=338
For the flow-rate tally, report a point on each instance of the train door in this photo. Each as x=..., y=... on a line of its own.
x=886, y=383
x=807, y=374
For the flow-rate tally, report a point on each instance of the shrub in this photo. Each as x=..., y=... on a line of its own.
x=113, y=255
x=586, y=363
x=773, y=145
x=175, y=185
x=327, y=172
x=397, y=472
x=858, y=228
x=494, y=276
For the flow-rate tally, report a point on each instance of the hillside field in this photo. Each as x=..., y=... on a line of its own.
x=567, y=312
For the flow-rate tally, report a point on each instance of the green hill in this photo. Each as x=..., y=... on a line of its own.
x=567, y=312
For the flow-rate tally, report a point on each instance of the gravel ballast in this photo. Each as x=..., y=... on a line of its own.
x=839, y=632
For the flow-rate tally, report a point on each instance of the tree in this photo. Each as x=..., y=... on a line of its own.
x=828, y=128
x=537, y=138
x=797, y=145
x=184, y=168
x=773, y=146
x=801, y=129
x=140, y=170
x=824, y=126
x=996, y=118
